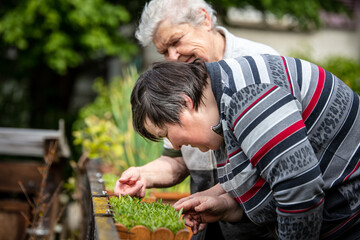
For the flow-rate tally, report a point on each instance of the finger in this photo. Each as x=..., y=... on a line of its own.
x=180, y=201
x=129, y=176
x=132, y=191
x=127, y=180
x=194, y=229
x=188, y=220
x=201, y=227
x=142, y=191
x=202, y=207
x=117, y=188
x=189, y=204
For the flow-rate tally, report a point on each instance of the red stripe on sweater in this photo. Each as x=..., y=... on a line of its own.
x=339, y=227
x=288, y=76
x=316, y=96
x=276, y=140
x=247, y=109
x=249, y=194
x=356, y=167
x=222, y=164
x=234, y=152
x=302, y=210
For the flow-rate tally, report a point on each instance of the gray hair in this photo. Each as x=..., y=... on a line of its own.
x=178, y=11
x=158, y=94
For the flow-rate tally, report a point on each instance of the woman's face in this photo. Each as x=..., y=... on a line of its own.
x=184, y=42
x=192, y=131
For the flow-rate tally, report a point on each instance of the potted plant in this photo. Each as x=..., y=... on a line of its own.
x=136, y=219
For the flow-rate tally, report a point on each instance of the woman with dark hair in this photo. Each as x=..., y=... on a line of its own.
x=183, y=30
x=286, y=138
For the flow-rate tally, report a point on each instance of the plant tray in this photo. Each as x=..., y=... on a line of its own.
x=142, y=233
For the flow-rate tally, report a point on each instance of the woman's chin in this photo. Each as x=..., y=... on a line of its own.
x=203, y=149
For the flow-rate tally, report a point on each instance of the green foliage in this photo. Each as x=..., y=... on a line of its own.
x=131, y=212
x=46, y=46
x=345, y=68
x=306, y=12
x=104, y=128
x=63, y=34
x=110, y=180
x=101, y=139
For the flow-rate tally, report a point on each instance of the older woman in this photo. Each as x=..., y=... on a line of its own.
x=288, y=128
x=183, y=30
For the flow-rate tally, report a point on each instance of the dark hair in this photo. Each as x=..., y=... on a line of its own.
x=159, y=93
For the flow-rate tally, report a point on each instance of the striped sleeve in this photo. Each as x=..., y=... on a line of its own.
x=267, y=124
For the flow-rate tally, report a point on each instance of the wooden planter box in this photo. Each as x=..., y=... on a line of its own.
x=142, y=233
x=99, y=223
x=168, y=197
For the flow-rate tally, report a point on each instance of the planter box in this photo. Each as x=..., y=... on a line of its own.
x=99, y=223
x=168, y=197
x=142, y=233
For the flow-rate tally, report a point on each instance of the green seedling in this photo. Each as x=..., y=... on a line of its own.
x=130, y=211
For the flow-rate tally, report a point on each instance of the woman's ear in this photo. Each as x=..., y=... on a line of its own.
x=188, y=102
x=207, y=20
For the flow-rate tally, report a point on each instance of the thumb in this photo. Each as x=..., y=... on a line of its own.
x=202, y=207
x=128, y=178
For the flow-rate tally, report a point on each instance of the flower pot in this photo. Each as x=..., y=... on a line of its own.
x=142, y=233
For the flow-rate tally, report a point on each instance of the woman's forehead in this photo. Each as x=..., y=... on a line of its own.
x=167, y=32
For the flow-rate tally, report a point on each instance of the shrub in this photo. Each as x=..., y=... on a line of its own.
x=345, y=68
x=104, y=128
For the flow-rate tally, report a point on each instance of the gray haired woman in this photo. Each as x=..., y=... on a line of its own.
x=285, y=132
x=183, y=30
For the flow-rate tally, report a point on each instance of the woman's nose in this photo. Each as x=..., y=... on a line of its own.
x=174, y=144
x=173, y=55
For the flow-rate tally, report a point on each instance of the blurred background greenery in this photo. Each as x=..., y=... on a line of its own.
x=48, y=48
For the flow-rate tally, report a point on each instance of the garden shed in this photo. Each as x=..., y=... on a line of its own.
x=32, y=162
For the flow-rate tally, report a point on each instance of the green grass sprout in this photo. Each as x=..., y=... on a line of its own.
x=130, y=211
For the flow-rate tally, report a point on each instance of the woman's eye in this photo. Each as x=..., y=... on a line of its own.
x=175, y=42
x=163, y=52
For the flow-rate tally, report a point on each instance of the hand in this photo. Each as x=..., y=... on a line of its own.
x=203, y=209
x=195, y=225
x=198, y=210
x=216, y=190
x=131, y=183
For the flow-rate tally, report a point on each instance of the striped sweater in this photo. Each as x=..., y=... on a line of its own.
x=292, y=135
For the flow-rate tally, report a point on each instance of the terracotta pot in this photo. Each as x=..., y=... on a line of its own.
x=142, y=233
x=169, y=197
